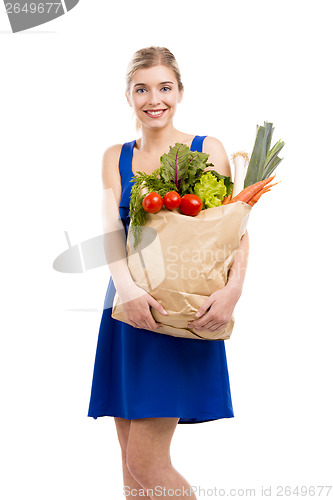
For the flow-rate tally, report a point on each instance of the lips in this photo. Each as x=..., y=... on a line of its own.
x=155, y=113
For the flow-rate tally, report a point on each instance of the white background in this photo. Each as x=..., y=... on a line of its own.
x=62, y=105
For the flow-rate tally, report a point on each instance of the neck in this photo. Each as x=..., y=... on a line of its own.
x=153, y=140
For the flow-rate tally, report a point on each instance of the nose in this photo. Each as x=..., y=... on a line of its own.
x=154, y=97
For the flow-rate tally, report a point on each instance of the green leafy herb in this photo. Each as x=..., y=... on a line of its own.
x=148, y=183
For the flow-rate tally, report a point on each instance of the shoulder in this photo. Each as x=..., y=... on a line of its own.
x=110, y=166
x=217, y=155
x=112, y=153
x=213, y=144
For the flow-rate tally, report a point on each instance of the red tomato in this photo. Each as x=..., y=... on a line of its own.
x=152, y=202
x=190, y=204
x=171, y=200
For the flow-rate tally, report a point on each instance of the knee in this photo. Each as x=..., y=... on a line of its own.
x=144, y=468
x=136, y=464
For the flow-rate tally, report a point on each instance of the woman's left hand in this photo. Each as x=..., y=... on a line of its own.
x=221, y=304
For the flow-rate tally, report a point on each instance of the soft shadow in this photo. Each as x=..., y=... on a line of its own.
x=83, y=310
x=29, y=32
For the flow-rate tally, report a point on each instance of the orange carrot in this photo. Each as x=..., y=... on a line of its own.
x=256, y=197
x=250, y=191
x=226, y=200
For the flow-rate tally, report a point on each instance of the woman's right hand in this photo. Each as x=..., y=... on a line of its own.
x=136, y=304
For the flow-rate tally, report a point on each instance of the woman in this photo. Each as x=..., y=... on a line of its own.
x=149, y=381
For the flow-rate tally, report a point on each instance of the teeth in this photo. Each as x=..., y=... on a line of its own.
x=154, y=113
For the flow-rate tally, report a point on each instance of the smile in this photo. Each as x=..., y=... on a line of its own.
x=155, y=113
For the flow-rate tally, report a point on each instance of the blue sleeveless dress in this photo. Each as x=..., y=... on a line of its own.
x=140, y=373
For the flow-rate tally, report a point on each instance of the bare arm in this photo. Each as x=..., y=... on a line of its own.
x=114, y=232
x=238, y=269
x=219, y=157
x=135, y=301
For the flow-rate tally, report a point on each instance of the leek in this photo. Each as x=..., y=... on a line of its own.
x=240, y=160
x=263, y=160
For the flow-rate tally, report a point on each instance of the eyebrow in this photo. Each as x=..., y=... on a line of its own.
x=161, y=83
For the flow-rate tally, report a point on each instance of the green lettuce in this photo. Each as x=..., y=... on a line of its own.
x=210, y=190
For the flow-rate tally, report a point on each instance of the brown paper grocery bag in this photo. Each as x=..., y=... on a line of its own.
x=186, y=260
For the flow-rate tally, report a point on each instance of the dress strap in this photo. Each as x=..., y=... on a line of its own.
x=197, y=143
x=125, y=161
x=126, y=174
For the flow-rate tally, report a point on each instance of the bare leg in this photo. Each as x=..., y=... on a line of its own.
x=123, y=428
x=149, y=462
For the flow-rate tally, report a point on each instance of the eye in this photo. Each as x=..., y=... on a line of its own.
x=139, y=90
x=167, y=88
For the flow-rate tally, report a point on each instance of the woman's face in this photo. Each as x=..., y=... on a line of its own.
x=154, y=95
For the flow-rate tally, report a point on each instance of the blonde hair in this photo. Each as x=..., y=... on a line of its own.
x=147, y=58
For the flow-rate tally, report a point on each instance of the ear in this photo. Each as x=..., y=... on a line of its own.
x=128, y=98
x=181, y=95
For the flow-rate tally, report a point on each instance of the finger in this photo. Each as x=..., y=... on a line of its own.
x=146, y=323
x=149, y=321
x=150, y=326
x=208, y=325
x=158, y=326
x=134, y=324
x=220, y=326
x=216, y=328
x=156, y=305
x=138, y=323
x=203, y=308
x=199, y=323
x=212, y=328
x=211, y=324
